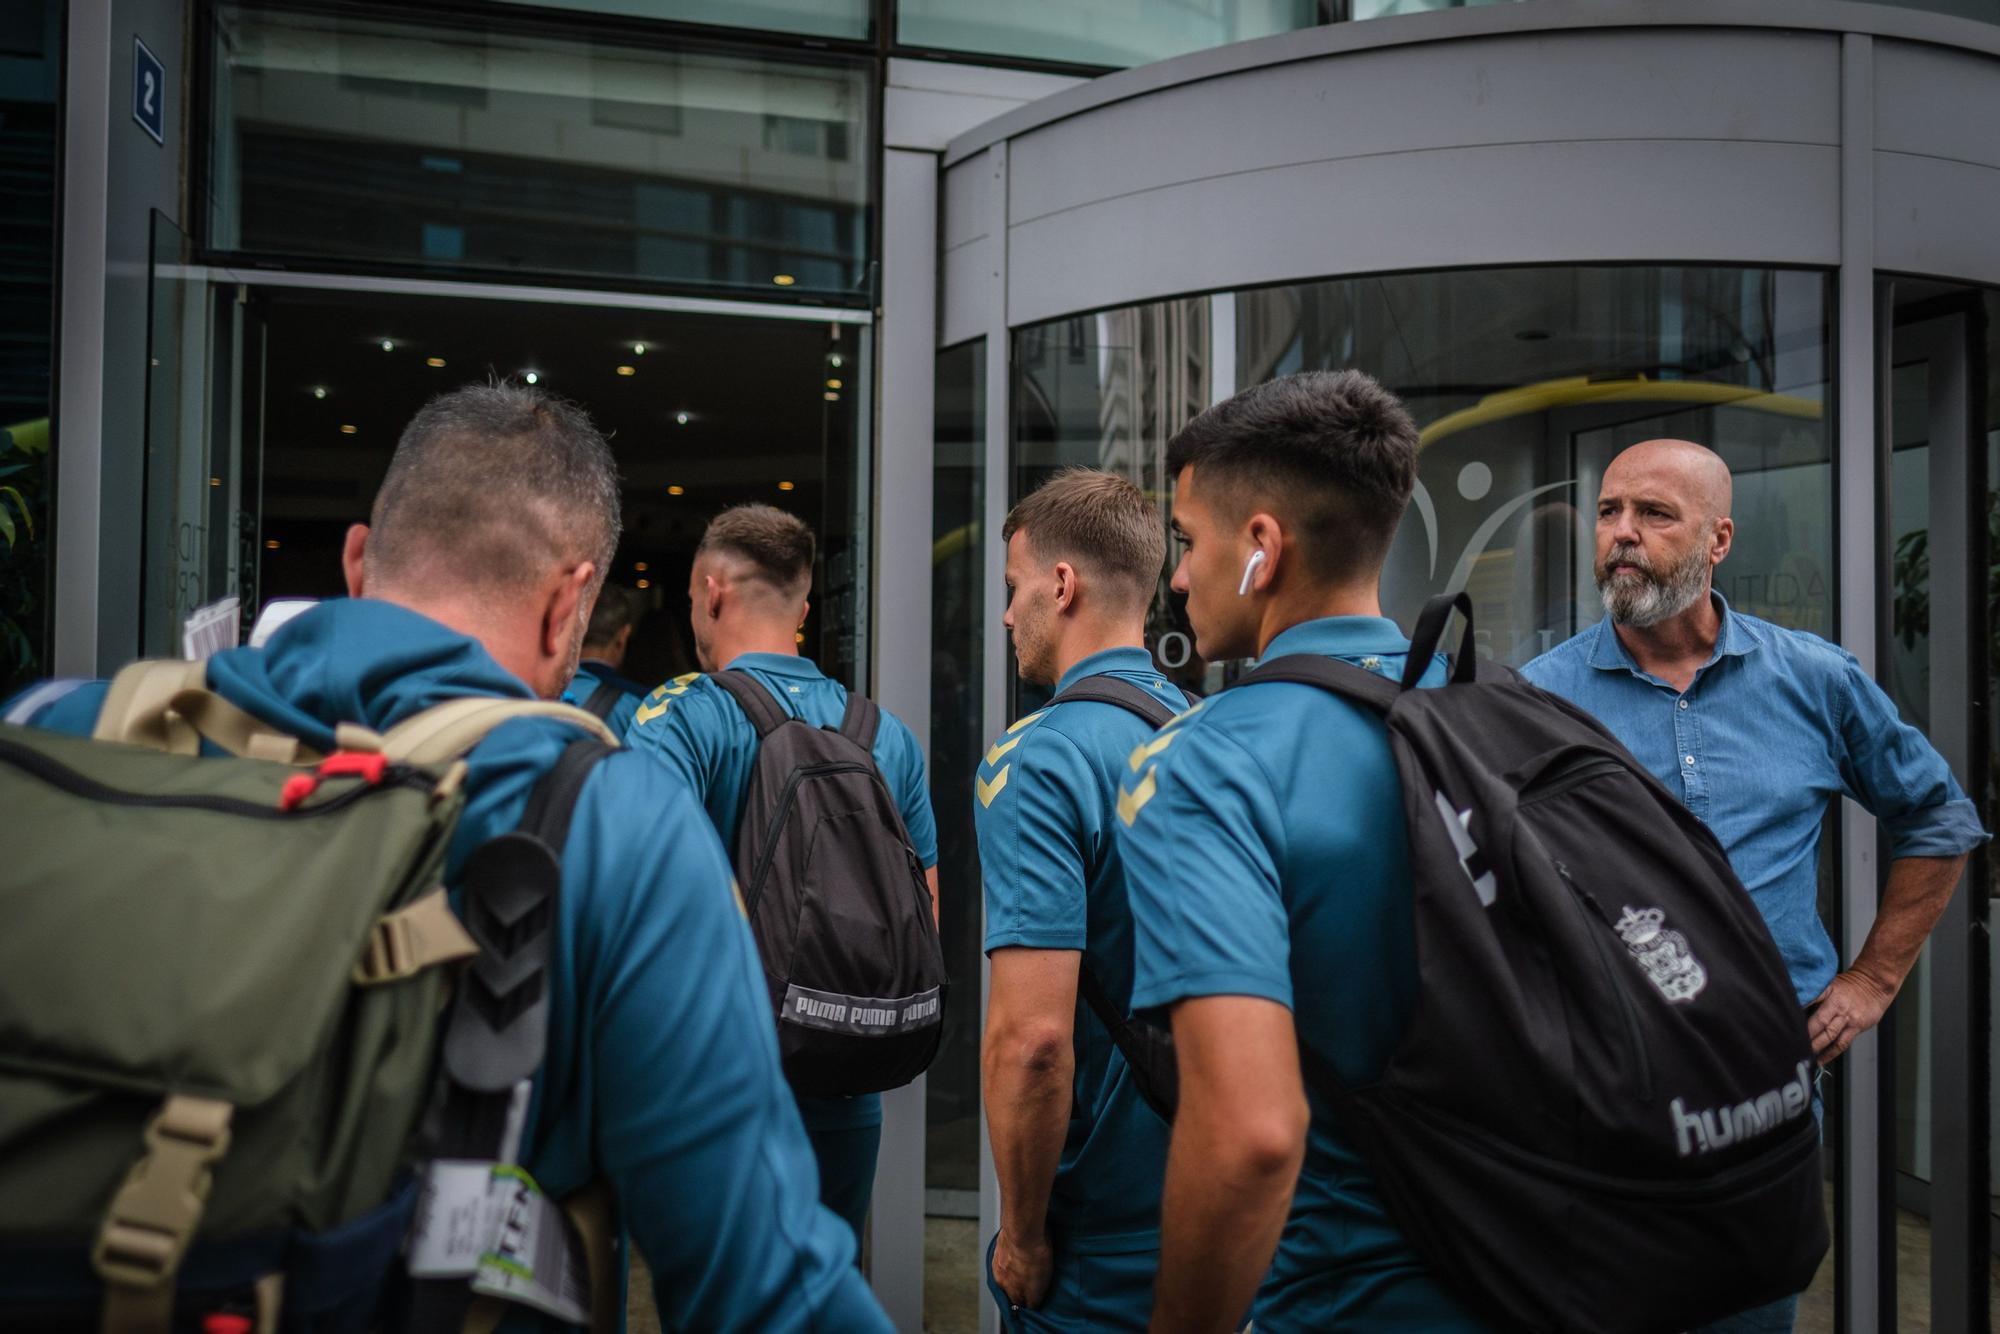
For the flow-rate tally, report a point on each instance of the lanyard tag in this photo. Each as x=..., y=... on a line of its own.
x=535, y=1259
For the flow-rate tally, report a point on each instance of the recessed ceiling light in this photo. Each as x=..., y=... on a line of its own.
x=628, y=370
x=645, y=583
x=433, y=361
x=832, y=397
x=349, y=430
x=640, y=566
x=836, y=361
x=319, y=391
x=388, y=345
x=784, y=486
x=783, y=279
x=532, y=377
x=833, y=384
x=676, y=490
x=681, y=417
x=271, y=545
x=215, y=481
x=638, y=349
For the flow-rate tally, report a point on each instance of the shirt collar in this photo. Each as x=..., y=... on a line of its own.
x=1737, y=638
x=778, y=664
x=1126, y=659
x=1340, y=637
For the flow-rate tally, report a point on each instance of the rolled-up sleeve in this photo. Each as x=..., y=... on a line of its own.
x=1897, y=775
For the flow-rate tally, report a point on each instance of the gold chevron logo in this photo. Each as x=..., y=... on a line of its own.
x=1150, y=749
x=987, y=791
x=1001, y=748
x=647, y=712
x=1025, y=721
x=1131, y=803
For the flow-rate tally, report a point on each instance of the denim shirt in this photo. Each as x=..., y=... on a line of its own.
x=1776, y=724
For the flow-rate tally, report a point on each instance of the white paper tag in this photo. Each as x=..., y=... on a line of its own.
x=534, y=1259
x=458, y=1216
x=211, y=629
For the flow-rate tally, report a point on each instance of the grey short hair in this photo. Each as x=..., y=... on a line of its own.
x=494, y=486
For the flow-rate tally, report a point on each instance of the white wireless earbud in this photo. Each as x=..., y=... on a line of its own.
x=1249, y=571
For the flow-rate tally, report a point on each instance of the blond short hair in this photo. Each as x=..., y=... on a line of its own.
x=1099, y=522
x=777, y=545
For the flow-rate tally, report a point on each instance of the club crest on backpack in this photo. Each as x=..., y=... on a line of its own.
x=1663, y=953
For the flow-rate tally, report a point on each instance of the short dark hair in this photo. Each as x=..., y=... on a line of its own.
x=495, y=485
x=1331, y=451
x=778, y=546
x=1099, y=520
x=617, y=607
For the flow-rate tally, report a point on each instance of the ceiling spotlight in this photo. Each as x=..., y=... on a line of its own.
x=681, y=418
x=783, y=279
x=271, y=545
x=319, y=391
x=832, y=397
x=349, y=430
x=638, y=349
x=645, y=583
x=833, y=384
x=215, y=481
x=628, y=370
x=532, y=377
x=434, y=361
x=836, y=361
x=676, y=490
x=785, y=486
x=388, y=345
x=640, y=566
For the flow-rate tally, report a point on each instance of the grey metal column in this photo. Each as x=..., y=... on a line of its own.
x=994, y=682
x=1858, y=456
x=80, y=357
x=902, y=635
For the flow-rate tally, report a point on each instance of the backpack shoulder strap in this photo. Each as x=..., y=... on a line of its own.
x=1330, y=674
x=861, y=721
x=1096, y=996
x=755, y=701
x=603, y=700
x=166, y=704
x=447, y=731
x=554, y=798
x=1110, y=690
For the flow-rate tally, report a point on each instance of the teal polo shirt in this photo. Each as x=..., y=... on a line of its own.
x=698, y=730
x=1267, y=855
x=1046, y=803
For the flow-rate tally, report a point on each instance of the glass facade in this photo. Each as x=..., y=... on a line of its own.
x=1100, y=32
x=30, y=65
x=473, y=150
x=810, y=18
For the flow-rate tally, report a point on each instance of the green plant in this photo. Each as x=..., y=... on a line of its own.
x=24, y=490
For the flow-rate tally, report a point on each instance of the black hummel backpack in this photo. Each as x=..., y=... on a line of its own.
x=837, y=902
x=1146, y=1044
x=1599, y=1120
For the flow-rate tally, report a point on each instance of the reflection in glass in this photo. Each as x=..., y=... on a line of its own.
x=958, y=610
x=1525, y=383
x=461, y=149
x=1100, y=32
x=814, y=18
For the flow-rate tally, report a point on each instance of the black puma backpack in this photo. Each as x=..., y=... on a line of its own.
x=837, y=902
x=1599, y=1120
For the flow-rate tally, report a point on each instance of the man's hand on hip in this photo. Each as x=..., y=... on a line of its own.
x=1023, y=1269
x=1852, y=1004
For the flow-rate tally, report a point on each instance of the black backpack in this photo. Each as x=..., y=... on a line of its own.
x=1146, y=1044
x=603, y=699
x=1600, y=1117
x=837, y=901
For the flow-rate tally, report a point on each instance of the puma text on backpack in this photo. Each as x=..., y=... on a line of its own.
x=837, y=902
x=1600, y=1119
x=220, y=991
x=1146, y=1044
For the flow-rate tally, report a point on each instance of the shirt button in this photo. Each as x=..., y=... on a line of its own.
x=1688, y=760
x=1684, y=704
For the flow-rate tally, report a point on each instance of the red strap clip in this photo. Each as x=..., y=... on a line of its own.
x=366, y=765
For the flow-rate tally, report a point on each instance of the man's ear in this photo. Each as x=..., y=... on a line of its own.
x=567, y=607
x=805, y=610
x=353, y=559
x=711, y=596
x=1724, y=539
x=1267, y=535
x=1065, y=575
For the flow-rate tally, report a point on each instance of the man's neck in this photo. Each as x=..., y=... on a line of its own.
x=1088, y=641
x=730, y=646
x=1678, y=647
x=1316, y=605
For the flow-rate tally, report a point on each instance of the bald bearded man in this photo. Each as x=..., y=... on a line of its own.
x=1758, y=728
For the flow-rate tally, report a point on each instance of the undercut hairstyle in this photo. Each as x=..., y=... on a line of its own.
x=777, y=546
x=1331, y=453
x=617, y=607
x=494, y=487
x=1102, y=524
